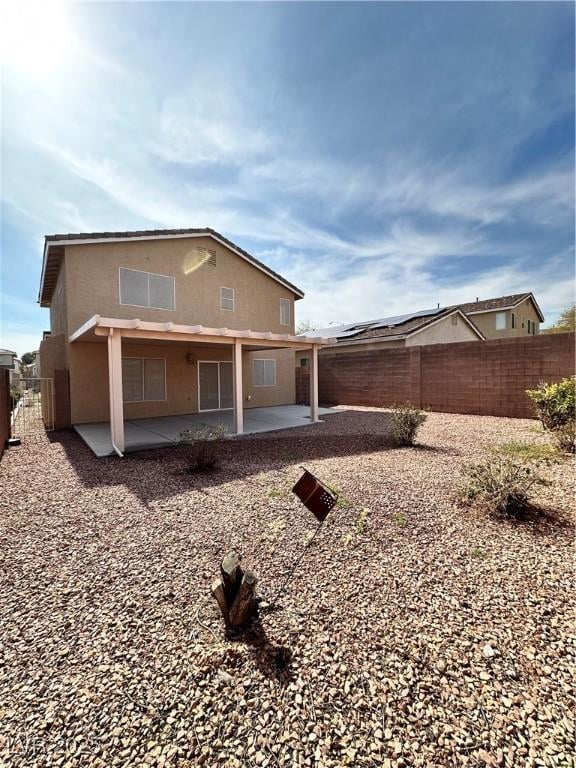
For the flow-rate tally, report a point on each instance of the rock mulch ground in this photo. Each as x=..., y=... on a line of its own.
x=426, y=636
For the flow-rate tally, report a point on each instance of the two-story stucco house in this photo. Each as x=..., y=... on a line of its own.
x=165, y=322
x=515, y=315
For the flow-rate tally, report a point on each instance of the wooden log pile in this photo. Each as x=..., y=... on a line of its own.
x=235, y=591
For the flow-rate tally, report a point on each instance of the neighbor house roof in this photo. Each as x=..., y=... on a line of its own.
x=54, y=251
x=499, y=303
x=392, y=328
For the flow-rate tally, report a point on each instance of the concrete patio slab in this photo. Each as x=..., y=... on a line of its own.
x=143, y=434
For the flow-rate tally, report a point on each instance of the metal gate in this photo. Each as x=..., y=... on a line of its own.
x=32, y=401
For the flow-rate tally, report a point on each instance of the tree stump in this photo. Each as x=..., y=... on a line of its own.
x=235, y=591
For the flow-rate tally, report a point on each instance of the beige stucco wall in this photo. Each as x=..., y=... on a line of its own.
x=89, y=379
x=284, y=393
x=53, y=355
x=58, y=315
x=93, y=271
x=443, y=332
x=525, y=311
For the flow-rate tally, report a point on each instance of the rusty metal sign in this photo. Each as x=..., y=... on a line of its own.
x=315, y=496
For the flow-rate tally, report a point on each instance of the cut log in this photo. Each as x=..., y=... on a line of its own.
x=243, y=606
x=217, y=590
x=231, y=575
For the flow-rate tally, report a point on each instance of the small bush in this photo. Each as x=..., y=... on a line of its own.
x=500, y=484
x=555, y=404
x=205, y=443
x=406, y=421
x=15, y=396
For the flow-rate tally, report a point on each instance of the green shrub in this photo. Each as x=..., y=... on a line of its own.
x=500, y=484
x=205, y=443
x=555, y=404
x=406, y=421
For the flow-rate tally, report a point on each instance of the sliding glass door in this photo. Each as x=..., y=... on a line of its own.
x=215, y=386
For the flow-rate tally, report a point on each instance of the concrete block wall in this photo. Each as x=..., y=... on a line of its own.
x=487, y=378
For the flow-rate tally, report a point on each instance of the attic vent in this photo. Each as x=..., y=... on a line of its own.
x=207, y=256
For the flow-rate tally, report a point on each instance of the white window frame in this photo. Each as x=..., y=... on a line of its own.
x=156, y=400
x=285, y=303
x=264, y=360
x=500, y=315
x=149, y=274
x=222, y=307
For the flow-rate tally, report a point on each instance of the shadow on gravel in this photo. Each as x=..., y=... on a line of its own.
x=545, y=521
x=160, y=473
x=273, y=661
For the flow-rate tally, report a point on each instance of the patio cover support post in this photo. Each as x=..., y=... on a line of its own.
x=238, y=396
x=314, y=384
x=115, y=384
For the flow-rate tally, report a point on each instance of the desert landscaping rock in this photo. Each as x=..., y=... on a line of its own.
x=430, y=635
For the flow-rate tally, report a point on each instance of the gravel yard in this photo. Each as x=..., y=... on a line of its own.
x=430, y=636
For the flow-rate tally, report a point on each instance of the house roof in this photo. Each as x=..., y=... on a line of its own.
x=54, y=251
x=394, y=327
x=499, y=303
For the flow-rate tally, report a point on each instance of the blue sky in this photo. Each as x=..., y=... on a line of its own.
x=382, y=156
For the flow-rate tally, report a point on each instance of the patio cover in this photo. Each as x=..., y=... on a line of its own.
x=116, y=329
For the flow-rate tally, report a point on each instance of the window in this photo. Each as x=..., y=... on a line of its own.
x=304, y=362
x=500, y=321
x=513, y=320
x=145, y=289
x=284, y=311
x=143, y=379
x=264, y=373
x=531, y=327
x=227, y=299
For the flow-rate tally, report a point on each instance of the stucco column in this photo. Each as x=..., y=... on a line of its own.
x=314, y=384
x=115, y=385
x=238, y=397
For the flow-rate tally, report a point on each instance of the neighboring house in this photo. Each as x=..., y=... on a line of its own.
x=7, y=359
x=166, y=322
x=431, y=326
x=516, y=315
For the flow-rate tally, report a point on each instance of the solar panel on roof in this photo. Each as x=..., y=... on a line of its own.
x=341, y=331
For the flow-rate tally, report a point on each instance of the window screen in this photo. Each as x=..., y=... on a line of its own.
x=227, y=299
x=513, y=320
x=284, y=311
x=161, y=289
x=500, y=321
x=133, y=287
x=264, y=373
x=132, y=379
x=145, y=289
x=143, y=379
